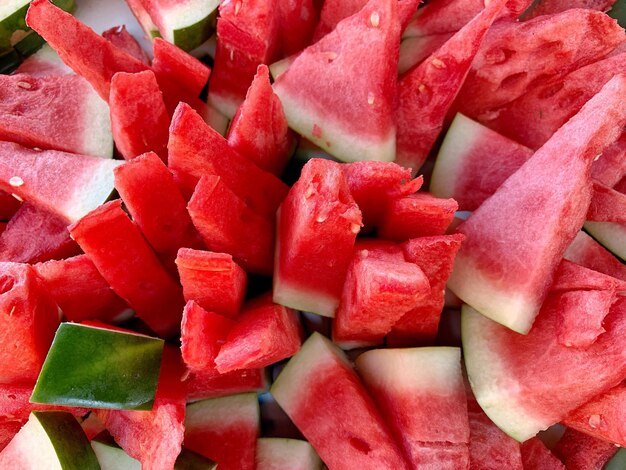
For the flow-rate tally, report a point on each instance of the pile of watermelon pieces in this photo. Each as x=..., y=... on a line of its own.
x=238, y=265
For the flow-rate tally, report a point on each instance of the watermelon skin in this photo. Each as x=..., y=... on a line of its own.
x=209, y=384
x=317, y=227
x=581, y=452
x=360, y=126
x=535, y=455
x=297, y=21
x=510, y=288
x=90, y=299
x=549, y=7
x=213, y=280
x=123, y=257
x=122, y=39
x=316, y=383
x=421, y=111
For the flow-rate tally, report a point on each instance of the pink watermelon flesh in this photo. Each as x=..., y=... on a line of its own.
x=572, y=276
x=414, y=51
x=122, y=39
x=264, y=334
x=536, y=456
x=297, y=21
x=87, y=53
x=210, y=384
x=532, y=394
x=154, y=437
x=139, y=120
x=28, y=325
x=607, y=205
x=124, y=258
x=172, y=64
x=90, y=299
x=357, y=123
x=511, y=61
x=413, y=389
x=58, y=112
x=213, y=280
x=317, y=227
x=602, y=417
x=435, y=257
x=579, y=451
x=195, y=150
x=426, y=93
x=246, y=37
x=228, y=225
x=611, y=167
x=225, y=430
x=156, y=205
x=550, y=7
x=581, y=316
x=34, y=235
x=325, y=399
x=259, y=130
x=585, y=251
x=44, y=63
x=202, y=335
x=504, y=278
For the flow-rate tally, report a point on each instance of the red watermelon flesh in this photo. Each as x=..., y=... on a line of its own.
x=154, y=437
x=213, y=280
x=325, y=399
x=572, y=276
x=607, y=205
x=228, y=225
x=317, y=227
x=154, y=201
x=210, y=384
x=536, y=456
x=247, y=35
x=90, y=299
x=259, y=130
x=603, y=417
x=345, y=111
x=122, y=39
x=87, y=53
x=172, y=64
x=297, y=21
x=124, y=258
x=581, y=314
x=225, y=430
x=579, y=451
x=34, y=235
x=435, y=257
x=139, y=120
x=549, y=7
x=509, y=286
x=195, y=150
x=9, y=205
x=585, y=251
x=512, y=59
x=57, y=112
x=202, y=335
x=29, y=322
x=426, y=93
x=415, y=50
x=611, y=167
x=264, y=334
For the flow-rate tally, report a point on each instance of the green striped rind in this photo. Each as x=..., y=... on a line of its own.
x=618, y=462
x=619, y=12
x=196, y=34
x=9, y=61
x=189, y=24
x=99, y=368
x=611, y=235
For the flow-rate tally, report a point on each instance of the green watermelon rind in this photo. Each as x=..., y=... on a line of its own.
x=618, y=11
x=617, y=462
x=611, y=235
x=9, y=61
x=294, y=452
x=190, y=24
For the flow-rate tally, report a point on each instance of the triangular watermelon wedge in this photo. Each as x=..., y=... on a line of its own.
x=504, y=277
x=340, y=92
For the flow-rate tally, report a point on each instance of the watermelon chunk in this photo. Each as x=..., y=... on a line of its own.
x=275, y=453
x=318, y=382
x=415, y=50
x=579, y=451
x=126, y=261
x=317, y=227
x=581, y=316
x=535, y=455
x=358, y=123
x=122, y=39
x=549, y=7
x=297, y=22
x=585, y=251
x=173, y=65
x=611, y=167
x=209, y=384
x=509, y=286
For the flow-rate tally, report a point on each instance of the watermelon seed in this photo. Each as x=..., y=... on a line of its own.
x=25, y=85
x=321, y=218
x=375, y=19
x=594, y=421
x=438, y=63
x=355, y=228
x=237, y=7
x=370, y=98
x=331, y=56
x=422, y=88
x=16, y=181
x=17, y=197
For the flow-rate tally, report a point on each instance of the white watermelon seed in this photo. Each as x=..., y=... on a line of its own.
x=232, y=54
x=321, y=218
x=237, y=7
x=331, y=56
x=17, y=197
x=16, y=181
x=422, y=88
x=375, y=19
x=594, y=421
x=25, y=85
x=438, y=63
x=370, y=98
x=355, y=228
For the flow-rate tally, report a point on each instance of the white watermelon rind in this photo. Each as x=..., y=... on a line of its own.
x=111, y=457
x=97, y=138
x=290, y=453
x=223, y=410
x=611, y=235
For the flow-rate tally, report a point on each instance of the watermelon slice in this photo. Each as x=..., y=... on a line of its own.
x=275, y=453
x=325, y=399
x=225, y=430
x=173, y=65
x=415, y=50
x=297, y=22
x=535, y=455
x=426, y=93
x=209, y=384
x=579, y=451
x=585, y=251
x=581, y=316
x=549, y=7
x=510, y=287
x=122, y=39
x=358, y=123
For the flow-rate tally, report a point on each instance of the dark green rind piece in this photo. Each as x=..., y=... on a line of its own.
x=98, y=368
x=30, y=44
x=189, y=460
x=618, y=461
x=9, y=61
x=196, y=34
x=619, y=12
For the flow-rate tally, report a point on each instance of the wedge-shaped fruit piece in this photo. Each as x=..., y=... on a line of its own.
x=510, y=289
x=580, y=451
x=74, y=184
x=315, y=385
x=50, y=439
x=225, y=430
x=121, y=38
x=516, y=391
x=209, y=384
x=297, y=21
x=89, y=366
x=586, y=252
x=581, y=316
x=535, y=454
x=275, y=453
x=172, y=64
x=318, y=216
x=360, y=126
x=416, y=387
x=426, y=93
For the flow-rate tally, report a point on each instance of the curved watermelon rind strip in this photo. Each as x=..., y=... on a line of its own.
x=611, y=235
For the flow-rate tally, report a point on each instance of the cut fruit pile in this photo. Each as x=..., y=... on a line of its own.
x=368, y=235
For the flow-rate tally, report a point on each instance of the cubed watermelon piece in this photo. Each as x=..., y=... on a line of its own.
x=213, y=280
x=579, y=451
x=124, y=258
x=358, y=122
x=506, y=279
x=173, y=65
x=259, y=130
x=275, y=453
x=585, y=251
x=297, y=21
x=325, y=399
x=228, y=225
x=582, y=313
x=139, y=120
x=210, y=384
x=535, y=455
x=317, y=227
x=122, y=39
